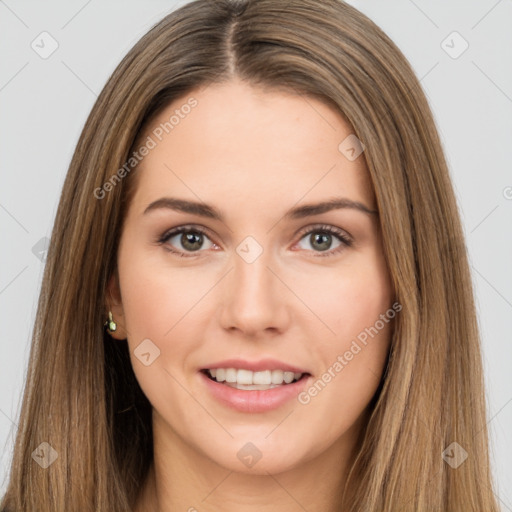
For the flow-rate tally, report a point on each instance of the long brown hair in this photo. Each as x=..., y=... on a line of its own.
x=81, y=395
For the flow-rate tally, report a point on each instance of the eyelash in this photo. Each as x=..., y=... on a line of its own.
x=342, y=237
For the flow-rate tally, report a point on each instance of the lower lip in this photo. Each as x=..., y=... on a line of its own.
x=254, y=400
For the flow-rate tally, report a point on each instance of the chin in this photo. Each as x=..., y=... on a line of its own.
x=258, y=458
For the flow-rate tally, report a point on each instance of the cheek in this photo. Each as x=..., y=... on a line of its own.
x=146, y=299
x=164, y=304
x=356, y=305
x=351, y=297
x=155, y=297
x=157, y=305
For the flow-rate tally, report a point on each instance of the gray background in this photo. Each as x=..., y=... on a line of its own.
x=44, y=104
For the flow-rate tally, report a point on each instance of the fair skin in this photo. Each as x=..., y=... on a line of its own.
x=253, y=155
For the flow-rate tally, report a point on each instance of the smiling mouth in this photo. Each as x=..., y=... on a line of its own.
x=248, y=380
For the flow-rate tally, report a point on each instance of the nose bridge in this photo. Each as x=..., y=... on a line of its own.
x=252, y=279
x=253, y=276
x=254, y=300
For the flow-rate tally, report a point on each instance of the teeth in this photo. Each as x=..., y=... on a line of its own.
x=245, y=377
x=231, y=375
x=265, y=378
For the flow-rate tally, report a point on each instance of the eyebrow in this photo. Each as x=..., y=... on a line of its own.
x=299, y=212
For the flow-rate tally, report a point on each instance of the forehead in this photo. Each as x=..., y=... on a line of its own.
x=249, y=148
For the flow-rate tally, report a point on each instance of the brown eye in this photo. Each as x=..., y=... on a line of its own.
x=185, y=240
x=191, y=241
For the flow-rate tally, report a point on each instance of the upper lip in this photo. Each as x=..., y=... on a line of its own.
x=256, y=366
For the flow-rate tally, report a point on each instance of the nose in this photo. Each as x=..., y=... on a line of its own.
x=256, y=302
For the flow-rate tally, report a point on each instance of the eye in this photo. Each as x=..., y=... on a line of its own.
x=189, y=239
x=321, y=239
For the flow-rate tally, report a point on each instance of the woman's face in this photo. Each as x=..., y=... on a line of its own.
x=263, y=280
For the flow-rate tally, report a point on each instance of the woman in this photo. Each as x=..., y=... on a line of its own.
x=257, y=293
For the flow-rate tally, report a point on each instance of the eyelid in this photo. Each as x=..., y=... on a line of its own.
x=183, y=228
x=325, y=227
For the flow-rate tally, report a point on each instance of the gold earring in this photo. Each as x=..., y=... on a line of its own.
x=111, y=325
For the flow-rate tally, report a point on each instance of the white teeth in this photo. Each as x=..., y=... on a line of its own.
x=277, y=376
x=245, y=377
x=261, y=377
x=252, y=387
x=230, y=375
x=288, y=377
x=261, y=380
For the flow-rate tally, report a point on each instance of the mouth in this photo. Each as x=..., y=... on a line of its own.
x=254, y=386
x=248, y=380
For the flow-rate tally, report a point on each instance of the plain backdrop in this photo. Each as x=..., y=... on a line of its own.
x=461, y=51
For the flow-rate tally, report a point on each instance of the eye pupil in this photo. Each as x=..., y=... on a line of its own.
x=323, y=239
x=188, y=240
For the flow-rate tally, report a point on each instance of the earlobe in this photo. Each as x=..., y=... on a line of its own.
x=110, y=324
x=115, y=320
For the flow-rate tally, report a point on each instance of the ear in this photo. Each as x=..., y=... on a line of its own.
x=115, y=305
